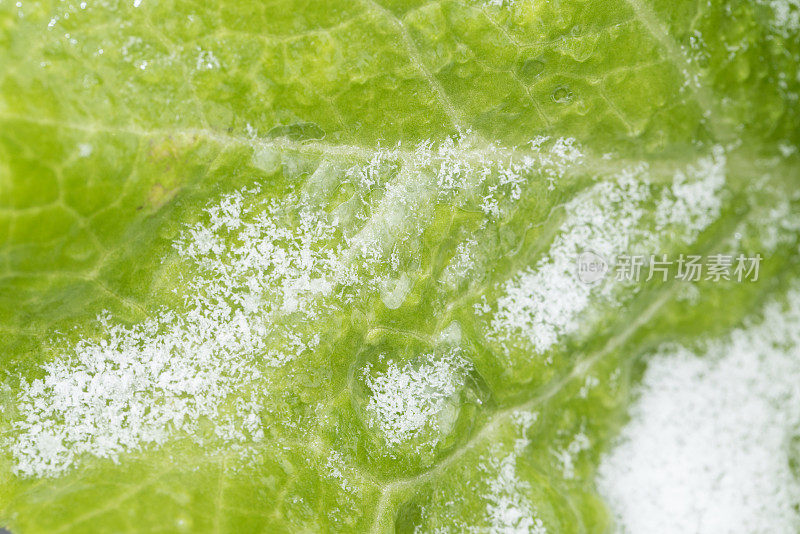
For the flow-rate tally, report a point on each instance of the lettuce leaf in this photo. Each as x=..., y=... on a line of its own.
x=311, y=266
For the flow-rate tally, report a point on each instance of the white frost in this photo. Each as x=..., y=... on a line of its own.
x=405, y=401
x=541, y=304
x=139, y=385
x=709, y=445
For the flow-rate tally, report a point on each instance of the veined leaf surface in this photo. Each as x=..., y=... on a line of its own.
x=311, y=266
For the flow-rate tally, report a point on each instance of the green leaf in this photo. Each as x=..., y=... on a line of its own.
x=311, y=266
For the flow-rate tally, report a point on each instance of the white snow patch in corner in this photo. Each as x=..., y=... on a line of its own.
x=709, y=444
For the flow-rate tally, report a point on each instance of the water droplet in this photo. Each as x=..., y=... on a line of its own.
x=562, y=95
x=531, y=69
x=394, y=292
x=298, y=131
x=267, y=159
x=741, y=68
x=462, y=53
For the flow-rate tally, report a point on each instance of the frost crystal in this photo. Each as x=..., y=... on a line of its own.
x=543, y=303
x=407, y=400
x=140, y=385
x=509, y=509
x=261, y=270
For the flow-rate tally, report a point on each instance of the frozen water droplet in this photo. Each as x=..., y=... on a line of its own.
x=562, y=95
x=531, y=69
x=394, y=292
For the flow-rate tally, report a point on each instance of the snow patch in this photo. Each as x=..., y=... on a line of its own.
x=541, y=304
x=171, y=375
x=709, y=446
x=407, y=401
